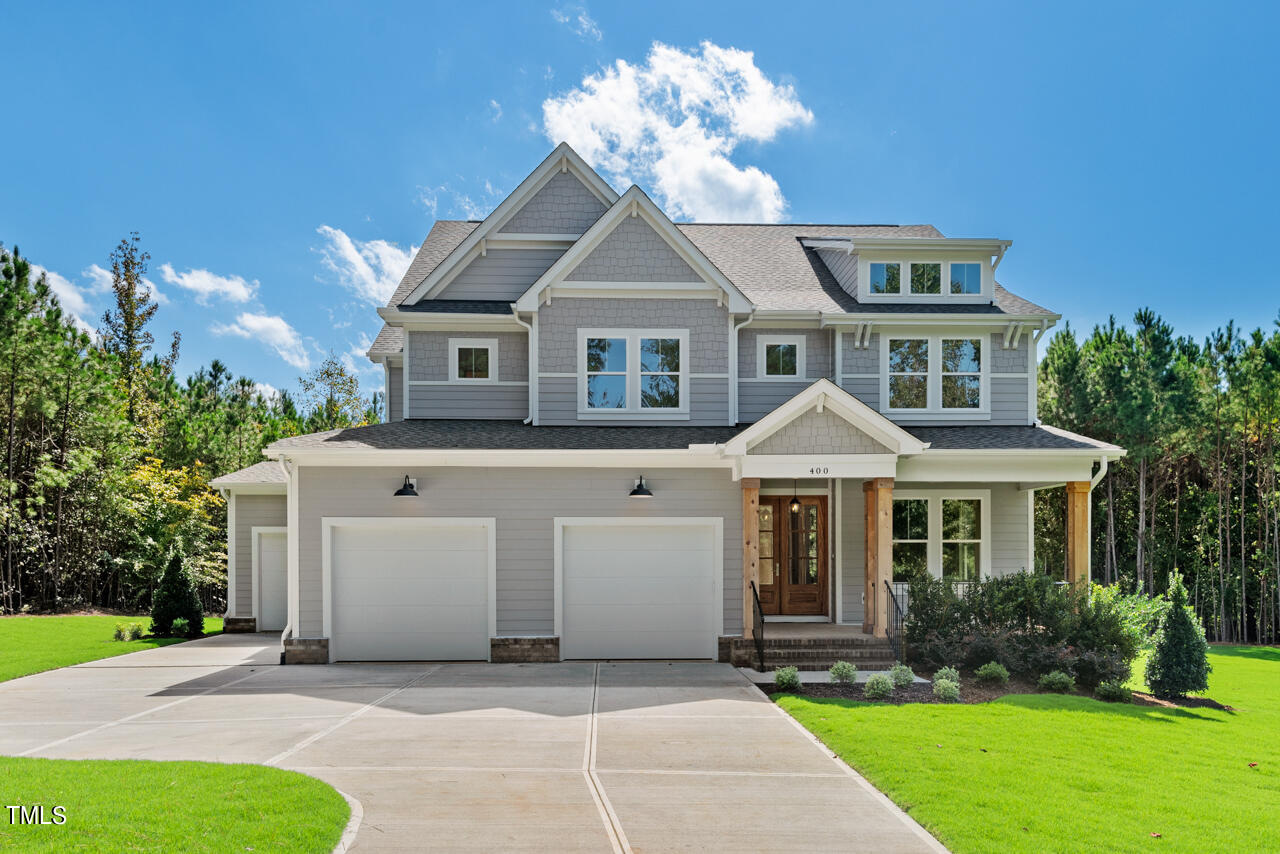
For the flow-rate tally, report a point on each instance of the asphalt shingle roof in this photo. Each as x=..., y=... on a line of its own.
x=267, y=471
x=476, y=434
x=390, y=341
x=443, y=238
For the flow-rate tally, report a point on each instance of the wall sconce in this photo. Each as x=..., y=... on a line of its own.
x=641, y=491
x=409, y=490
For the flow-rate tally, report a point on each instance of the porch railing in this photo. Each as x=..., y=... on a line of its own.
x=757, y=625
x=897, y=616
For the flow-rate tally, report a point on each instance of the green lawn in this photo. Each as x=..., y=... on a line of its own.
x=163, y=807
x=33, y=644
x=1040, y=773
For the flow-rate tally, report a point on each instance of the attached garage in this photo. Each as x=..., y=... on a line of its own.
x=639, y=588
x=270, y=577
x=409, y=589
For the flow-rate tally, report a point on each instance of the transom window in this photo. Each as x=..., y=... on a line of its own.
x=966, y=278
x=780, y=356
x=933, y=374
x=630, y=371
x=473, y=360
x=941, y=533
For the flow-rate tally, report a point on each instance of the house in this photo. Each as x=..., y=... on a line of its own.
x=609, y=435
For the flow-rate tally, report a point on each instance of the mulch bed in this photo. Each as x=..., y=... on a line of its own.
x=1182, y=703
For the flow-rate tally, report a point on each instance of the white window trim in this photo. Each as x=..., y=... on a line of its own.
x=985, y=293
x=944, y=270
x=490, y=344
x=934, y=399
x=763, y=341
x=935, y=498
x=633, y=408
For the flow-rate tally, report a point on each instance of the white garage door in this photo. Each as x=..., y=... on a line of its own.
x=273, y=581
x=410, y=592
x=639, y=591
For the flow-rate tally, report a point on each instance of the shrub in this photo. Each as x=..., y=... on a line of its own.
x=1180, y=662
x=946, y=690
x=901, y=675
x=946, y=674
x=121, y=633
x=1113, y=692
x=786, y=679
x=176, y=597
x=181, y=627
x=844, y=671
x=133, y=631
x=1057, y=681
x=993, y=673
x=878, y=687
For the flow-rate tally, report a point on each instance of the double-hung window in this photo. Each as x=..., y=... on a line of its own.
x=961, y=373
x=909, y=373
x=625, y=371
x=942, y=533
x=934, y=374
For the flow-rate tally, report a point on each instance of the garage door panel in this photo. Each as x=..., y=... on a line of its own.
x=656, y=537
x=273, y=587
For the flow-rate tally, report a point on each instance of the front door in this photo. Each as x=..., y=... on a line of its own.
x=792, y=577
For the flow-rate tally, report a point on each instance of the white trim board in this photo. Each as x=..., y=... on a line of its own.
x=255, y=546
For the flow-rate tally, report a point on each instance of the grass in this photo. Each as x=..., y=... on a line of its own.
x=139, y=806
x=1049, y=773
x=35, y=644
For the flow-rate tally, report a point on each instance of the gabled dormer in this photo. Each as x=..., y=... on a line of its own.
x=914, y=270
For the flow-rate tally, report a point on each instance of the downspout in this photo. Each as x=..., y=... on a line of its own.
x=291, y=575
x=733, y=363
x=532, y=360
x=1093, y=481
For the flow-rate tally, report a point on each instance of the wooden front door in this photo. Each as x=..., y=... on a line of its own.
x=793, y=556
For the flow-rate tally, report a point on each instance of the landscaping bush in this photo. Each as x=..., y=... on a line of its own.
x=992, y=673
x=844, y=671
x=878, y=687
x=946, y=690
x=946, y=674
x=1057, y=682
x=181, y=627
x=786, y=679
x=1180, y=662
x=1113, y=692
x=133, y=631
x=176, y=597
x=121, y=633
x=901, y=675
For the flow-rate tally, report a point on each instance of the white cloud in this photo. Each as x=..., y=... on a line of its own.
x=674, y=121
x=355, y=359
x=369, y=269
x=577, y=19
x=271, y=330
x=205, y=284
x=497, y=109
x=100, y=283
x=268, y=392
x=460, y=205
x=70, y=296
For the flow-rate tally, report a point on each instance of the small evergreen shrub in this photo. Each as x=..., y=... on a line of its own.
x=176, y=597
x=1180, y=663
x=901, y=675
x=133, y=631
x=1057, y=681
x=786, y=679
x=992, y=673
x=122, y=632
x=946, y=690
x=878, y=687
x=844, y=672
x=1113, y=692
x=181, y=627
x=946, y=674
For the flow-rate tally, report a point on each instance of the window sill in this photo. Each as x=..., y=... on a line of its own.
x=631, y=414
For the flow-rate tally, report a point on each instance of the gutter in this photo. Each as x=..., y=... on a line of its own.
x=533, y=364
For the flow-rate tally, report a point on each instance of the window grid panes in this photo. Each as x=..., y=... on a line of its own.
x=909, y=373
x=606, y=373
x=473, y=363
x=966, y=278
x=910, y=538
x=961, y=539
x=764, y=573
x=886, y=278
x=660, y=373
x=780, y=360
x=926, y=278
x=961, y=373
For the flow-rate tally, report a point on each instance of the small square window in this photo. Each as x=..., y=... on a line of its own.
x=926, y=278
x=966, y=278
x=780, y=360
x=886, y=278
x=473, y=363
x=473, y=360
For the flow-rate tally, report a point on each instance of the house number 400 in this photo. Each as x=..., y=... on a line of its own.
x=818, y=470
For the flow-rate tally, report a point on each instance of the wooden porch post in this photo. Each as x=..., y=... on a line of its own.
x=878, y=493
x=1078, y=531
x=750, y=550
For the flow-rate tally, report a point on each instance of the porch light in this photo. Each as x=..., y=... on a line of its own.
x=406, y=491
x=794, y=506
x=640, y=490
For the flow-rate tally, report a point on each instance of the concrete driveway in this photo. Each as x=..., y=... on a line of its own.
x=578, y=756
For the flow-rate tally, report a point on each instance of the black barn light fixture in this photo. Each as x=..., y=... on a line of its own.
x=406, y=491
x=794, y=506
x=641, y=491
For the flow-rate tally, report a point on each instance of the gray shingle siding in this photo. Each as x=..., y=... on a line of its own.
x=500, y=274
x=524, y=502
x=814, y=433
x=427, y=354
x=564, y=205
x=817, y=345
x=252, y=511
x=633, y=252
x=858, y=360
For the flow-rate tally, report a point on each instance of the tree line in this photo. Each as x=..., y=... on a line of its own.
x=1197, y=493
x=108, y=454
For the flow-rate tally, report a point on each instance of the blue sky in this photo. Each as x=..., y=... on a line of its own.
x=282, y=160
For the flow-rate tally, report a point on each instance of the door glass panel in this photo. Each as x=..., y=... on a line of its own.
x=766, y=544
x=764, y=572
x=812, y=559
x=793, y=559
x=766, y=517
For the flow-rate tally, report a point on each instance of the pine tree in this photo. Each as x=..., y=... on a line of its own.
x=176, y=597
x=1180, y=663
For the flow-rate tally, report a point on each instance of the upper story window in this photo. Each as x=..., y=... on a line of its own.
x=886, y=278
x=966, y=278
x=926, y=279
x=907, y=279
x=473, y=360
x=633, y=371
x=780, y=357
x=934, y=374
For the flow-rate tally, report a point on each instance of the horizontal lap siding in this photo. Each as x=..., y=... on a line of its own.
x=1009, y=401
x=501, y=274
x=524, y=502
x=461, y=401
x=427, y=354
x=252, y=511
x=758, y=399
x=853, y=573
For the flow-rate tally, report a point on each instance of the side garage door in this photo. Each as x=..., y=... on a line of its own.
x=270, y=563
x=410, y=589
x=648, y=590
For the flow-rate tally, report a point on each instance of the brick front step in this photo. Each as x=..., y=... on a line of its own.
x=813, y=653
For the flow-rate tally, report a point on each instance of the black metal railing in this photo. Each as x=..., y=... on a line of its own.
x=757, y=626
x=893, y=631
